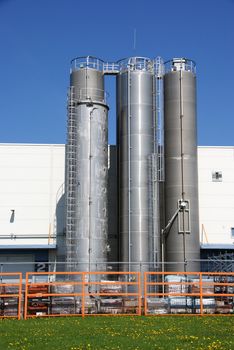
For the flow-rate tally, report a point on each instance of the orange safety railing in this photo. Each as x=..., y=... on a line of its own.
x=10, y=295
x=114, y=293
x=53, y=294
x=188, y=293
x=82, y=293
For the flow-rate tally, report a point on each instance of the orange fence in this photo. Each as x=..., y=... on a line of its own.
x=10, y=295
x=82, y=294
x=188, y=293
x=116, y=293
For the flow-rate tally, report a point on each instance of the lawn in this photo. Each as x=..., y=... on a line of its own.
x=169, y=333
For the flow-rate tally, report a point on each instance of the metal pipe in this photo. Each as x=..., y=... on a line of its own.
x=26, y=236
x=129, y=169
x=182, y=161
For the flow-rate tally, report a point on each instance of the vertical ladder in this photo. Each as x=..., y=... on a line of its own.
x=159, y=73
x=71, y=177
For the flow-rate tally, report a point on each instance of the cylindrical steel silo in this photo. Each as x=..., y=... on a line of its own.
x=181, y=173
x=136, y=145
x=86, y=167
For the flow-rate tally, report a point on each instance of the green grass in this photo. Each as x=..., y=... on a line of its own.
x=169, y=333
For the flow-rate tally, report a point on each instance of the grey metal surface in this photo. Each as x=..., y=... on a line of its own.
x=86, y=171
x=113, y=236
x=181, y=172
x=136, y=144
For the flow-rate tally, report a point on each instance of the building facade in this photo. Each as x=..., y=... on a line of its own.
x=32, y=224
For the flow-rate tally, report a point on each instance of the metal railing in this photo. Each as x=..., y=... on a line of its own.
x=206, y=265
x=10, y=295
x=54, y=294
x=177, y=64
x=87, y=62
x=111, y=68
x=190, y=293
x=88, y=94
x=136, y=64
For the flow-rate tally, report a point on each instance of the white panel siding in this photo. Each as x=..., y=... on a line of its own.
x=32, y=178
x=31, y=183
x=216, y=199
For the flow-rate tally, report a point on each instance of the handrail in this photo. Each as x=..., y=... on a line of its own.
x=82, y=294
x=10, y=294
x=90, y=62
x=136, y=64
x=200, y=293
x=177, y=64
x=51, y=294
x=88, y=94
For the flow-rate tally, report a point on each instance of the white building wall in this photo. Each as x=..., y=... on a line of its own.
x=216, y=198
x=31, y=185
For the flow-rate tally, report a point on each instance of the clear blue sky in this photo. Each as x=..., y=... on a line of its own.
x=38, y=38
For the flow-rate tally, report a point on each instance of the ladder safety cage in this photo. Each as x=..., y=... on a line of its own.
x=159, y=71
x=71, y=173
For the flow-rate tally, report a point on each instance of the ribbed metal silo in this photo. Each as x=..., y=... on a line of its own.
x=86, y=167
x=181, y=172
x=136, y=149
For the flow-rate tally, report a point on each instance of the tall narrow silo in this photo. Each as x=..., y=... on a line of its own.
x=136, y=148
x=181, y=172
x=86, y=167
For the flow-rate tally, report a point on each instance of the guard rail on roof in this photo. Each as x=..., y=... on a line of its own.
x=87, y=62
x=180, y=64
x=136, y=64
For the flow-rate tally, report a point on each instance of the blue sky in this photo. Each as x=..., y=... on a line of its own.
x=38, y=39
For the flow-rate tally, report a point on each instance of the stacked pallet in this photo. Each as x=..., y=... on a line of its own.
x=178, y=285
x=157, y=306
x=208, y=305
x=110, y=287
x=9, y=306
x=181, y=305
x=64, y=305
x=225, y=303
x=224, y=307
x=207, y=286
x=38, y=304
x=113, y=303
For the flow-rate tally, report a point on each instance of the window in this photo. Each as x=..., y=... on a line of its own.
x=217, y=176
x=232, y=232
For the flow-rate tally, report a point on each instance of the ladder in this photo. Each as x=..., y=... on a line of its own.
x=71, y=176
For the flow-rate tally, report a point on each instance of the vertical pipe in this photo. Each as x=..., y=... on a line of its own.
x=182, y=164
x=129, y=170
x=20, y=295
x=26, y=297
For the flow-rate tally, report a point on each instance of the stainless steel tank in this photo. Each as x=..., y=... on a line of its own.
x=136, y=145
x=181, y=173
x=86, y=167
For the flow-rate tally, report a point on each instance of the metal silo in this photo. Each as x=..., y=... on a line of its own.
x=136, y=149
x=86, y=167
x=181, y=236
